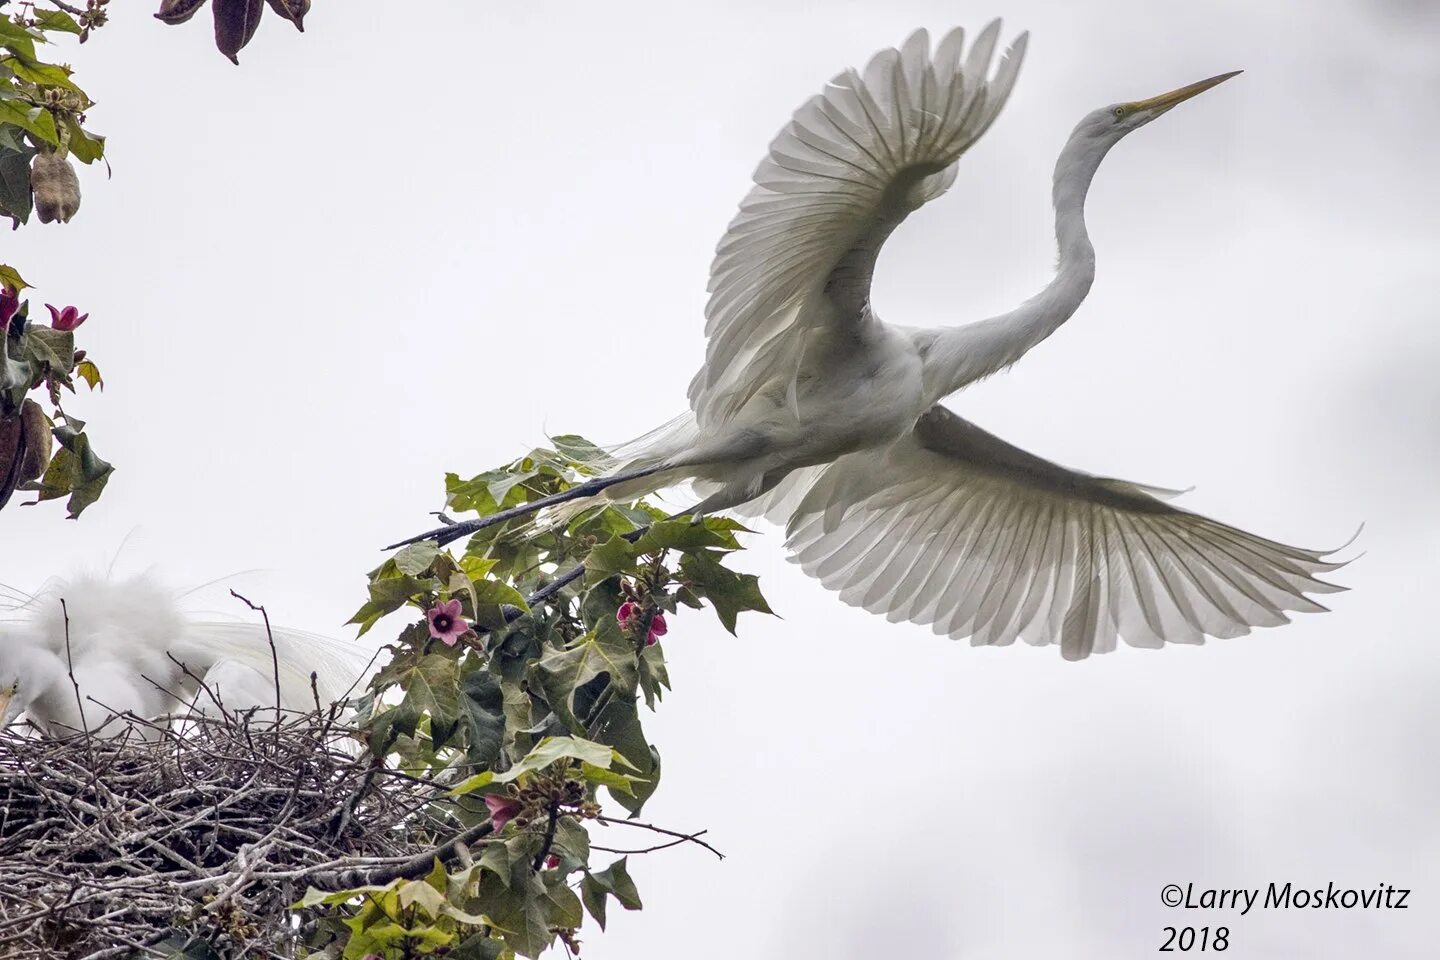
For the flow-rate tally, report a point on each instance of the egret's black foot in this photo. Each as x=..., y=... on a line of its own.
x=451, y=532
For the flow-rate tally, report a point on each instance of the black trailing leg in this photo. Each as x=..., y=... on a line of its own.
x=454, y=531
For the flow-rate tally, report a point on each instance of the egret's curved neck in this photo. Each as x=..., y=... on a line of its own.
x=956, y=357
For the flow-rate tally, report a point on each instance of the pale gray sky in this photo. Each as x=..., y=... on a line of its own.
x=378, y=236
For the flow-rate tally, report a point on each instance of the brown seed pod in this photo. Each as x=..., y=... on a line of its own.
x=57, y=190
x=12, y=451
x=36, y=427
x=24, y=448
x=292, y=10
x=235, y=23
x=178, y=11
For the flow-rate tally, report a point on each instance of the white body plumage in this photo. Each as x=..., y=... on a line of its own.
x=122, y=638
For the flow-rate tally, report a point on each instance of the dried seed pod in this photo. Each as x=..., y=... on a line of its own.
x=12, y=451
x=57, y=190
x=178, y=11
x=235, y=23
x=292, y=10
x=36, y=427
x=24, y=448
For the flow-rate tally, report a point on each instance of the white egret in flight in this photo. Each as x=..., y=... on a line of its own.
x=811, y=411
x=122, y=635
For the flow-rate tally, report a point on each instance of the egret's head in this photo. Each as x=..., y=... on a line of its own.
x=26, y=672
x=1108, y=125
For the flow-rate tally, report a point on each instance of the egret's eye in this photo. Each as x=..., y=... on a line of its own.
x=1120, y=113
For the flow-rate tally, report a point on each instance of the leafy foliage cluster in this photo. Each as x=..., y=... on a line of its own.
x=43, y=359
x=43, y=132
x=535, y=714
x=42, y=129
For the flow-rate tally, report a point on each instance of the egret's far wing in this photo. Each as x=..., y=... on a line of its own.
x=846, y=170
x=956, y=528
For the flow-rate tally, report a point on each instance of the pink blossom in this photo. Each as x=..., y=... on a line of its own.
x=9, y=304
x=67, y=319
x=446, y=624
x=628, y=613
x=502, y=810
x=551, y=862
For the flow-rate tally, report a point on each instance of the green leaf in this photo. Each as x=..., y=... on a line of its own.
x=730, y=593
x=431, y=684
x=476, y=568
x=547, y=751
x=74, y=470
x=614, y=881
x=84, y=146
x=388, y=594
x=600, y=777
x=579, y=450
x=40, y=73
x=490, y=596
x=594, y=897
x=562, y=907
x=560, y=672
x=16, y=199
x=613, y=556
x=501, y=486
x=318, y=898
x=478, y=947
x=482, y=710
x=654, y=678
x=53, y=348
x=87, y=371
x=499, y=860
x=35, y=120
x=10, y=277
x=618, y=725
x=519, y=912
x=572, y=843
x=421, y=893
x=18, y=39
x=57, y=20
x=682, y=535
x=416, y=558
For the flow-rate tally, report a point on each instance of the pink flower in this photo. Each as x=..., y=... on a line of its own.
x=502, y=810
x=67, y=319
x=9, y=304
x=628, y=613
x=445, y=622
x=551, y=862
x=658, y=629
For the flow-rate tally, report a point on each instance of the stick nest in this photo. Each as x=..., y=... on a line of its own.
x=149, y=835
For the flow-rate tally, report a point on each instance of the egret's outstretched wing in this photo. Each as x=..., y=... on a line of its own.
x=848, y=168
x=956, y=528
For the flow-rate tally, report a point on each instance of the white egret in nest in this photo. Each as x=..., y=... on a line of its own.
x=119, y=646
x=811, y=411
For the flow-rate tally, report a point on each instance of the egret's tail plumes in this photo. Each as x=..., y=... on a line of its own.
x=645, y=459
x=242, y=651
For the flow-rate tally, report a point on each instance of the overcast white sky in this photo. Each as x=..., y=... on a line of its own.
x=408, y=243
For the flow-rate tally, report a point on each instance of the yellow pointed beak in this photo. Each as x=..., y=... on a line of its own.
x=6, y=695
x=1167, y=100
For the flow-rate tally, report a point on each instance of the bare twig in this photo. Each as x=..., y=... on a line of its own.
x=682, y=837
x=274, y=656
